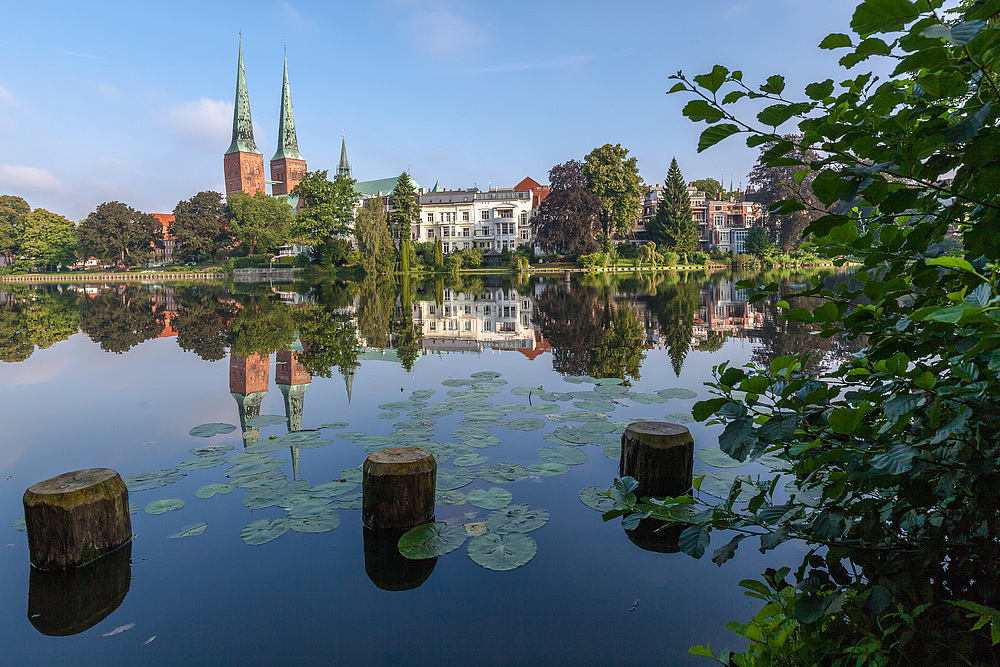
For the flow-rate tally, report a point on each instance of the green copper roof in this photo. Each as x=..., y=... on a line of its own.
x=344, y=167
x=437, y=187
x=288, y=145
x=383, y=185
x=242, y=125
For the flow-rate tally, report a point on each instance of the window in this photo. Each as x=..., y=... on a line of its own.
x=446, y=246
x=524, y=217
x=507, y=326
x=506, y=213
x=433, y=326
x=716, y=208
x=524, y=235
x=465, y=216
x=430, y=217
x=444, y=232
x=468, y=325
x=430, y=233
x=719, y=219
x=484, y=215
x=487, y=325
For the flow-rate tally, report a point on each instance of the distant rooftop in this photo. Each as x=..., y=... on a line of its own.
x=383, y=185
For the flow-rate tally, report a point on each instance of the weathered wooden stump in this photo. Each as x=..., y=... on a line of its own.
x=387, y=568
x=76, y=517
x=658, y=455
x=398, y=488
x=67, y=602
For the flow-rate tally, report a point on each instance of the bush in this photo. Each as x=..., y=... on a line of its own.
x=252, y=261
x=670, y=258
x=698, y=258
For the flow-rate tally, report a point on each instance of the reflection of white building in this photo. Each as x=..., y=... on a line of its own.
x=495, y=319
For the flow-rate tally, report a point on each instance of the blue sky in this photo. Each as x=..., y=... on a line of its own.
x=133, y=101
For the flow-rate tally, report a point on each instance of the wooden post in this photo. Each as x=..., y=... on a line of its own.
x=658, y=455
x=76, y=517
x=387, y=568
x=398, y=488
x=67, y=602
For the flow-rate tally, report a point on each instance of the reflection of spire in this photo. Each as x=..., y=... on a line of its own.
x=248, y=385
x=249, y=407
x=292, y=379
x=349, y=382
x=294, y=449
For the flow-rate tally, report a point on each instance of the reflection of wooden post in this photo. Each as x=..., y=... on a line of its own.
x=398, y=488
x=653, y=535
x=76, y=517
x=387, y=568
x=660, y=456
x=67, y=602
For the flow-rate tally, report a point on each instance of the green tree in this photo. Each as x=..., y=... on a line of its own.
x=711, y=187
x=405, y=255
x=774, y=181
x=673, y=227
x=405, y=208
x=38, y=318
x=566, y=219
x=261, y=221
x=115, y=232
x=328, y=212
x=613, y=177
x=373, y=238
x=13, y=220
x=199, y=227
x=758, y=243
x=49, y=240
x=438, y=254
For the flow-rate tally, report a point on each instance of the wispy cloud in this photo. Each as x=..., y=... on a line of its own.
x=107, y=90
x=440, y=30
x=205, y=121
x=76, y=54
x=21, y=177
x=294, y=18
x=566, y=61
x=7, y=98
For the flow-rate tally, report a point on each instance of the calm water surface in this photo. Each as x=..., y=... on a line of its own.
x=117, y=376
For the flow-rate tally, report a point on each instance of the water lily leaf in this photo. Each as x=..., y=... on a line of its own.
x=208, y=430
x=473, y=459
x=314, y=523
x=479, y=443
x=300, y=505
x=388, y=415
x=586, y=416
x=573, y=379
x=163, y=505
x=613, y=390
x=251, y=468
x=503, y=472
x=492, y=499
x=502, y=552
x=648, y=399
x=332, y=489
x=573, y=435
x=404, y=406
x=202, y=462
x=716, y=458
x=475, y=529
x=431, y=540
x=298, y=436
x=189, y=530
x=484, y=415
x=488, y=384
x=549, y=468
x=677, y=392
x=313, y=444
x=554, y=396
x=467, y=432
x=449, y=497
x=599, y=406
x=543, y=409
x=210, y=450
x=613, y=452
x=20, y=525
x=263, y=531
x=265, y=420
x=422, y=394
x=351, y=435
x=348, y=501
x=516, y=519
x=719, y=484
x=336, y=426
x=563, y=454
x=680, y=417
x=352, y=475
x=152, y=479
x=266, y=446
x=599, y=427
x=210, y=490
x=527, y=424
x=456, y=382
x=524, y=391
x=449, y=479
x=596, y=498
x=486, y=375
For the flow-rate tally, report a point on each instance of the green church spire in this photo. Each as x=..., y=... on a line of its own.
x=288, y=145
x=242, y=125
x=344, y=167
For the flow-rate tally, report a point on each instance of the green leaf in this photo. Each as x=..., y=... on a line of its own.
x=835, y=40
x=431, y=540
x=493, y=499
x=516, y=519
x=208, y=430
x=737, y=434
x=503, y=472
x=698, y=110
x=775, y=84
x=597, y=498
x=776, y=114
x=263, y=531
x=449, y=479
x=164, y=505
x=967, y=128
x=189, y=531
x=502, y=552
x=727, y=551
x=705, y=652
x=896, y=460
x=714, y=79
x=718, y=459
x=317, y=522
x=882, y=16
x=694, y=540
x=846, y=420
x=210, y=490
x=563, y=454
x=714, y=134
x=702, y=410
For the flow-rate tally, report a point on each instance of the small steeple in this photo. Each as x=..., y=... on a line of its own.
x=288, y=145
x=437, y=187
x=344, y=168
x=242, y=124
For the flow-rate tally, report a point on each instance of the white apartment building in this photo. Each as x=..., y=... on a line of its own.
x=498, y=219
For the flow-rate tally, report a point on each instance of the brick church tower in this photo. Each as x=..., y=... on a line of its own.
x=244, y=164
x=287, y=166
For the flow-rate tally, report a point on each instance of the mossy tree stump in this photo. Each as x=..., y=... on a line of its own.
x=658, y=455
x=76, y=517
x=398, y=488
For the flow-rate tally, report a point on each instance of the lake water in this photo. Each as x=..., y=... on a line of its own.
x=117, y=376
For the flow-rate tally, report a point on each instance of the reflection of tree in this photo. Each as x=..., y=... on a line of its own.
x=375, y=308
x=674, y=305
x=621, y=353
x=329, y=339
x=571, y=322
x=120, y=320
x=263, y=326
x=35, y=318
x=712, y=343
x=202, y=324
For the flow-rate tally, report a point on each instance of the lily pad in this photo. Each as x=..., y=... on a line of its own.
x=152, y=479
x=189, y=530
x=502, y=473
x=214, y=428
x=549, y=468
x=572, y=435
x=263, y=531
x=615, y=390
x=563, y=454
x=595, y=497
x=449, y=497
x=716, y=458
x=307, y=506
x=314, y=523
x=719, y=484
x=516, y=519
x=332, y=489
x=527, y=424
x=648, y=399
x=554, y=396
x=680, y=417
x=20, y=525
x=524, y=391
x=573, y=379
x=543, y=409
x=265, y=420
x=473, y=459
x=163, y=505
x=201, y=462
x=479, y=443
x=486, y=375
x=431, y=540
x=352, y=475
x=336, y=426
x=388, y=415
x=456, y=382
x=677, y=392
x=348, y=501
x=502, y=552
x=601, y=427
x=591, y=404
x=613, y=452
x=492, y=499
x=210, y=490
x=210, y=450
x=449, y=479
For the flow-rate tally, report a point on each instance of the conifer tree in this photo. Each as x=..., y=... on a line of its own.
x=406, y=209
x=438, y=255
x=673, y=227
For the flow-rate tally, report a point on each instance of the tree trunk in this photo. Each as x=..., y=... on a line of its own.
x=398, y=488
x=76, y=517
x=658, y=455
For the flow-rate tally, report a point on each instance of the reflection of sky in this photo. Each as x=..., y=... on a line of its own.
x=307, y=595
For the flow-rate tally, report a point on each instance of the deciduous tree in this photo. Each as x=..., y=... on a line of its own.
x=261, y=222
x=614, y=178
x=199, y=226
x=775, y=181
x=328, y=212
x=49, y=240
x=116, y=232
x=566, y=219
x=711, y=187
x=373, y=238
x=13, y=219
